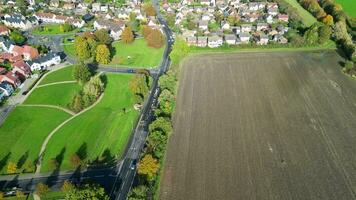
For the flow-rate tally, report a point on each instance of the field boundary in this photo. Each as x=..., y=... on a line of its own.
x=56, y=83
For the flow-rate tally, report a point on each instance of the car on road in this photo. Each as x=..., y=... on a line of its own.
x=133, y=165
x=24, y=92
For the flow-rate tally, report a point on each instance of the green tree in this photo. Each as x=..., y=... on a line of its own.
x=103, y=36
x=161, y=124
x=102, y=54
x=127, y=35
x=218, y=16
x=312, y=35
x=139, y=86
x=67, y=186
x=20, y=195
x=180, y=49
x=81, y=73
x=168, y=81
x=17, y=37
x=1, y=195
x=22, y=5
x=42, y=189
x=155, y=39
x=328, y=20
x=324, y=33
x=77, y=105
x=94, y=87
x=82, y=48
x=138, y=193
x=87, y=191
x=148, y=167
x=156, y=144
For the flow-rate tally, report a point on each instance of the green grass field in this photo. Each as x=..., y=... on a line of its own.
x=308, y=18
x=105, y=126
x=58, y=95
x=137, y=54
x=64, y=74
x=24, y=131
x=52, y=195
x=68, y=47
x=50, y=29
x=349, y=6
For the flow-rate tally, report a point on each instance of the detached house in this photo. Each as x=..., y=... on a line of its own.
x=44, y=61
x=246, y=27
x=215, y=41
x=202, y=41
x=244, y=37
x=192, y=41
x=115, y=27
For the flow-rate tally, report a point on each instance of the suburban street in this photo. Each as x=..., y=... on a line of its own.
x=118, y=179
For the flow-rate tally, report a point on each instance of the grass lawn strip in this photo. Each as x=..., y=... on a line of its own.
x=308, y=18
x=49, y=106
x=63, y=74
x=53, y=29
x=25, y=129
x=106, y=126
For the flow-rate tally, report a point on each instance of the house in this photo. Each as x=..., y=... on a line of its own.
x=68, y=6
x=215, y=41
x=192, y=41
x=262, y=39
x=6, y=88
x=87, y=17
x=2, y=70
x=246, y=28
x=253, y=6
x=2, y=95
x=269, y=19
x=283, y=17
x=205, y=17
x=54, y=3
x=115, y=27
x=21, y=69
x=16, y=50
x=18, y=21
x=44, y=61
x=252, y=17
x=95, y=7
x=77, y=22
x=272, y=11
x=230, y=39
x=202, y=41
x=104, y=8
x=280, y=39
x=244, y=37
x=261, y=26
x=4, y=30
x=11, y=78
x=226, y=26
x=203, y=25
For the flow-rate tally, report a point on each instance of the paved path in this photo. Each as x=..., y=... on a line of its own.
x=44, y=144
x=56, y=83
x=49, y=106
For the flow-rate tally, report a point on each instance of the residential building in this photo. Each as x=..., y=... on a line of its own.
x=215, y=41
x=230, y=39
x=6, y=88
x=244, y=37
x=202, y=41
x=44, y=61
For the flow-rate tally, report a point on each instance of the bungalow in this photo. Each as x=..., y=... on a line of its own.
x=6, y=88
x=246, y=28
x=215, y=41
x=11, y=78
x=202, y=24
x=263, y=39
x=192, y=41
x=44, y=61
x=230, y=39
x=4, y=30
x=202, y=41
x=280, y=39
x=244, y=37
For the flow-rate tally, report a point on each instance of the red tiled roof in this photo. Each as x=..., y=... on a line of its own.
x=3, y=29
x=17, y=50
x=2, y=70
x=30, y=51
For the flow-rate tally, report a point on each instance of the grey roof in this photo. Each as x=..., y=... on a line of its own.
x=244, y=35
x=246, y=25
x=230, y=37
x=43, y=59
x=202, y=39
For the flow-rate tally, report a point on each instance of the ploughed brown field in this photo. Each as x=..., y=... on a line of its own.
x=256, y=126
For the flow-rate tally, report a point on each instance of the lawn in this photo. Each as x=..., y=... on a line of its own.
x=137, y=54
x=64, y=74
x=105, y=126
x=349, y=6
x=58, y=95
x=24, y=131
x=68, y=47
x=307, y=18
x=50, y=29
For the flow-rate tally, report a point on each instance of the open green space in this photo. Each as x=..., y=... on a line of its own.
x=58, y=95
x=308, y=18
x=349, y=6
x=23, y=132
x=53, y=195
x=137, y=54
x=50, y=29
x=107, y=126
x=64, y=74
x=68, y=46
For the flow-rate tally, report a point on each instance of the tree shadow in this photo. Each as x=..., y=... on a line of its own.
x=59, y=158
x=22, y=160
x=4, y=160
x=82, y=152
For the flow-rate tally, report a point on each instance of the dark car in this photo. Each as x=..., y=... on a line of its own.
x=24, y=92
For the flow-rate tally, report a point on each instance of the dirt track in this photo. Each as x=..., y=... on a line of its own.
x=263, y=126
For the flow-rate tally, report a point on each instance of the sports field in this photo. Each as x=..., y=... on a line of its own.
x=349, y=6
x=263, y=126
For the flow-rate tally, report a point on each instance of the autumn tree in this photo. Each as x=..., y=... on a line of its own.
x=102, y=54
x=137, y=193
x=82, y=48
x=11, y=168
x=67, y=186
x=1, y=195
x=328, y=20
x=149, y=9
x=139, y=86
x=146, y=31
x=42, y=189
x=81, y=73
x=20, y=195
x=155, y=39
x=148, y=167
x=103, y=36
x=127, y=35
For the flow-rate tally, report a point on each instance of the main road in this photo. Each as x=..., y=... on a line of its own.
x=117, y=179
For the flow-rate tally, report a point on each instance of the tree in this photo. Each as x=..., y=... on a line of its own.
x=1, y=195
x=311, y=35
x=166, y=102
x=82, y=48
x=149, y=9
x=22, y=5
x=340, y=31
x=328, y=20
x=127, y=35
x=42, y=189
x=232, y=20
x=20, y=195
x=67, y=186
x=17, y=37
x=179, y=50
x=155, y=39
x=81, y=73
x=146, y=31
x=66, y=27
x=77, y=105
x=168, y=81
x=161, y=124
x=102, y=54
x=218, y=16
x=138, y=193
x=87, y=191
x=324, y=33
x=94, y=87
x=138, y=85
x=11, y=168
x=156, y=144
x=103, y=36
x=148, y=167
